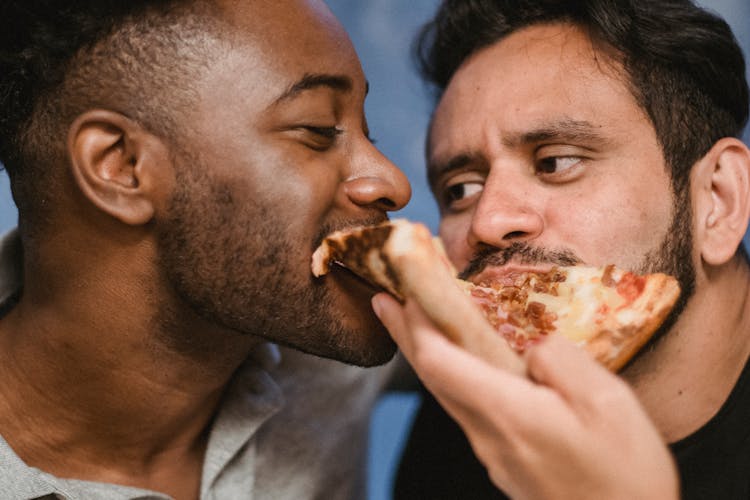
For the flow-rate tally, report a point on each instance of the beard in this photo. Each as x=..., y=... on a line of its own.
x=238, y=266
x=673, y=256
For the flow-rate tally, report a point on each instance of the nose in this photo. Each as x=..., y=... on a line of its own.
x=505, y=213
x=375, y=182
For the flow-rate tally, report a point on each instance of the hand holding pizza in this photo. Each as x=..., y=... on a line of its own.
x=568, y=429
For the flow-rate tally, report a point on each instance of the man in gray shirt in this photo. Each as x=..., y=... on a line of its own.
x=174, y=164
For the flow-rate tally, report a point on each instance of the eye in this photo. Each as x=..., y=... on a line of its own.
x=327, y=132
x=320, y=138
x=556, y=164
x=459, y=194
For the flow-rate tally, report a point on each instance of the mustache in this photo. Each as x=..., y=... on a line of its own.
x=520, y=252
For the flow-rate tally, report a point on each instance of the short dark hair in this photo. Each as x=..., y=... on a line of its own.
x=59, y=58
x=684, y=65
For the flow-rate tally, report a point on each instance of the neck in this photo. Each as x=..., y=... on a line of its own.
x=106, y=399
x=685, y=379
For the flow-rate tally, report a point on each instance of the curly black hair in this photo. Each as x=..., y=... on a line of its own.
x=59, y=58
x=683, y=63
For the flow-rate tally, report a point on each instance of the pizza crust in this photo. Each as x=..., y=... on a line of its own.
x=615, y=349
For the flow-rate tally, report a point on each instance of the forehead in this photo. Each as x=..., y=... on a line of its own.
x=291, y=35
x=536, y=76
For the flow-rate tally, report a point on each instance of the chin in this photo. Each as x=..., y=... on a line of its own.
x=378, y=349
x=364, y=341
x=338, y=322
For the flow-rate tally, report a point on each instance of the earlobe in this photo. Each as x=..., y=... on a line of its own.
x=113, y=161
x=722, y=184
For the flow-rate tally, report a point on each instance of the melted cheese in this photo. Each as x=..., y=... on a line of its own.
x=580, y=316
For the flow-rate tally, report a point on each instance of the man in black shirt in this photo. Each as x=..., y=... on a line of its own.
x=606, y=131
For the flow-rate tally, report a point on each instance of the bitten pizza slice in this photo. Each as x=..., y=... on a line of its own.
x=610, y=312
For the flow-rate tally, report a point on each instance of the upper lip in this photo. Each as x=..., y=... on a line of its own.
x=507, y=274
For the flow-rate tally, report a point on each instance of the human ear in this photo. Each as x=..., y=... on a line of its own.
x=721, y=184
x=117, y=165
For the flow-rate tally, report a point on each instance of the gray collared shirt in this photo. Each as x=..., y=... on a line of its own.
x=291, y=426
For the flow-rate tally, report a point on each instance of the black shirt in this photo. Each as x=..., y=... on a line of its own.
x=714, y=462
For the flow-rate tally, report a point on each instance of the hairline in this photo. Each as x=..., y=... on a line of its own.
x=119, y=71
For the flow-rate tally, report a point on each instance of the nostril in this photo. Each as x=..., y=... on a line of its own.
x=387, y=203
x=514, y=234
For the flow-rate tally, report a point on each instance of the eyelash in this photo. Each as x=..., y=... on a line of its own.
x=452, y=193
x=333, y=132
x=327, y=132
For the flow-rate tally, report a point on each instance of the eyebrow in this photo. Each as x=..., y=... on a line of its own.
x=565, y=131
x=457, y=162
x=341, y=83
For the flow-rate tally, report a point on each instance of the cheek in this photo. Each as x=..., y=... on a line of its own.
x=300, y=200
x=453, y=232
x=614, y=227
x=291, y=178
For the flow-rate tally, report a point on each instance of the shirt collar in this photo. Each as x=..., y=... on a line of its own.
x=250, y=400
x=19, y=478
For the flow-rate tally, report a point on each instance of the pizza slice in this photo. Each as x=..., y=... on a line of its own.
x=610, y=312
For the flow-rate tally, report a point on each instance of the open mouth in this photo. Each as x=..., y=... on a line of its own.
x=351, y=279
x=507, y=275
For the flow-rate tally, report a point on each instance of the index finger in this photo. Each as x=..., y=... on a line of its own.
x=441, y=299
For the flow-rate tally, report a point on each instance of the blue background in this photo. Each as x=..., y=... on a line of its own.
x=398, y=109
